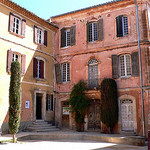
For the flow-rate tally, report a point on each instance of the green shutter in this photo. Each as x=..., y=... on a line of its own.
x=135, y=64
x=72, y=35
x=100, y=35
x=115, y=66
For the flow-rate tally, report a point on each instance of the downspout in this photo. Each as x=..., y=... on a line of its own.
x=140, y=63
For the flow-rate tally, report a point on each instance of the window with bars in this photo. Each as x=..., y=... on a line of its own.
x=125, y=65
x=92, y=32
x=67, y=38
x=65, y=72
x=122, y=26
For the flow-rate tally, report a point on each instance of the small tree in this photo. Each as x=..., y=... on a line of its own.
x=78, y=103
x=14, y=99
x=109, y=103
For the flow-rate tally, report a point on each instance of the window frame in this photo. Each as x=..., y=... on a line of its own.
x=93, y=33
x=50, y=103
x=127, y=66
x=65, y=74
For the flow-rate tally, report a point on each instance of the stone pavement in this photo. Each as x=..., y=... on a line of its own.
x=67, y=141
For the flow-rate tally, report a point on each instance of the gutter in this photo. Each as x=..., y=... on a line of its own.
x=140, y=63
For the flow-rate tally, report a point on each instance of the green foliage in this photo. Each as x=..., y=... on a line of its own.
x=14, y=97
x=109, y=102
x=78, y=101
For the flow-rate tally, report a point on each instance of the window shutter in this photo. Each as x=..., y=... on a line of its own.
x=23, y=27
x=35, y=34
x=34, y=67
x=62, y=37
x=20, y=27
x=72, y=35
x=52, y=102
x=11, y=21
x=87, y=26
x=9, y=60
x=46, y=102
x=144, y=24
x=115, y=66
x=135, y=64
x=58, y=73
x=23, y=63
x=100, y=30
x=119, y=26
x=45, y=38
x=42, y=68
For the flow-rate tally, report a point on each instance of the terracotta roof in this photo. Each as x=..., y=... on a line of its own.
x=111, y=2
x=26, y=12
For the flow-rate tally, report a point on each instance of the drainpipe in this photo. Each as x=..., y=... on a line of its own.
x=140, y=63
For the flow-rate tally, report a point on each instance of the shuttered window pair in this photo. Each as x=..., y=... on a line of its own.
x=62, y=72
x=68, y=36
x=125, y=65
x=49, y=102
x=13, y=56
x=40, y=36
x=95, y=31
x=17, y=25
x=122, y=26
x=38, y=68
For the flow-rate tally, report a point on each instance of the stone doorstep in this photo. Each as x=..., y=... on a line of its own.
x=128, y=140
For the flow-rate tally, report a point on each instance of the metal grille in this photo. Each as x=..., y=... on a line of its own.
x=125, y=25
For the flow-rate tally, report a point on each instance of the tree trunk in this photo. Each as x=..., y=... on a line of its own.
x=13, y=138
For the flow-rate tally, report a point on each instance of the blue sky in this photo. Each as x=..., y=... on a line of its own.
x=47, y=8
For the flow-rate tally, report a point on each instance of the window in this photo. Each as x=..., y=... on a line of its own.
x=95, y=31
x=92, y=73
x=17, y=25
x=122, y=26
x=40, y=36
x=38, y=68
x=68, y=36
x=125, y=65
x=49, y=102
x=14, y=56
x=65, y=72
x=92, y=32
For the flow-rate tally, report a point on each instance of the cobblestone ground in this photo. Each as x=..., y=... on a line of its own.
x=67, y=145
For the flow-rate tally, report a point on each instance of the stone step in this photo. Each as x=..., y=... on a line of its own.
x=35, y=128
x=41, y=125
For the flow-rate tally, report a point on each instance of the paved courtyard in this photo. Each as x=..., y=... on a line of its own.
x=68, y=145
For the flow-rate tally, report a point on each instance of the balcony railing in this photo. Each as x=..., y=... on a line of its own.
x=93, y=83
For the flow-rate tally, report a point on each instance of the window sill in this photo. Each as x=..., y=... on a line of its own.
x=40, y=79
x=65, y=47
x=15, y=34
x=41, y=45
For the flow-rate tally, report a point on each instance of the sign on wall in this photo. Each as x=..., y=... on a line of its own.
x=27, y=104
x=66, y=110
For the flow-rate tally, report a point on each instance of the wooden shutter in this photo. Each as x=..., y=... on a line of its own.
x=115, y=66
x=72, y=35
x=11, y=21
x=34, y=67
x=135, y=64
x=42, y=68
x=47, y=102
x=20, y=26
x=62, y=37
x=9, y=60
x=119, y=26
x=144, y=24
x=45, y=38
x=87, y=26
x=68, y=71
x=100, y=30
x=23, y=27
x=58, y=73
x=23, y=63
x=52, y=102
x=35, y=34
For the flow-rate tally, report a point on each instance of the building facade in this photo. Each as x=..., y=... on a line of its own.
x=102, y=42
x=26, y=38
